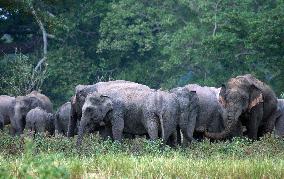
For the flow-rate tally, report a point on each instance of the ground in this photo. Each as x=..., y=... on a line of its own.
x=58, y=157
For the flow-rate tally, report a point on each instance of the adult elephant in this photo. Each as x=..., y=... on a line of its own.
x=248, y=102
x=119, y=111
x=7, y=111
x=81, y=92
x=210, y=114
x=24, y=104
x=279, y=124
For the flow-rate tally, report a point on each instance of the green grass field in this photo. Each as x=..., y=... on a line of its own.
x=57, y=157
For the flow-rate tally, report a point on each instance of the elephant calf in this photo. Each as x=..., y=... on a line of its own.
x=62, y=119
x=39, y=121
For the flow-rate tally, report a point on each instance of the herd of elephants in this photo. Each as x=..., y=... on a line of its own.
x=243, y=106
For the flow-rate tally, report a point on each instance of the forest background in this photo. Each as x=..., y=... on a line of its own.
x=160, y=43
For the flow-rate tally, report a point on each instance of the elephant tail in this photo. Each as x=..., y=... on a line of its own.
x=162, y=125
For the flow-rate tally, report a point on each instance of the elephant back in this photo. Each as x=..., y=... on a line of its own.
x=209, y=108
x=45, y=101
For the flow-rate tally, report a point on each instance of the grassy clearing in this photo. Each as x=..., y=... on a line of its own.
x=58, y=157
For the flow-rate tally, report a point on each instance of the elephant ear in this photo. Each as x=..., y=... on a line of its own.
x=34, y=102
x=106, y=101
x=255, y=97
x=222, y=94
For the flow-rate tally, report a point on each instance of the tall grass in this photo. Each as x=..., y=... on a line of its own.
x=57, y=157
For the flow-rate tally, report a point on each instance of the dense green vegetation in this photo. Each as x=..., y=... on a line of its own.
x=46, y=157
x=158, y=43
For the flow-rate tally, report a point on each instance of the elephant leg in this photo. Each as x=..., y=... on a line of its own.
x=1, y=122
x=237, y=131
x=172, y=140
x=252, y=129
x=187, y=131
x=271, y=121
x=178, y=136
x=20, y=123
x=151, y=125
x=105, y=133
x=279, y=126
x=254, y=122
x=56, y=126
x=29, y=128
x=117, y=126
x=40, y=128
x=128, y=136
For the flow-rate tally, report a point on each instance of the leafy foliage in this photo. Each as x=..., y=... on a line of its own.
x=158, y=43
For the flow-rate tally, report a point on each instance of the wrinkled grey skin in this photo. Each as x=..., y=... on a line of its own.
x=279, y=124
x=210, y=114
x=24, y=104
x=7, y=112
x=82, y=91
x=62, y=117
x=248, y=102
x=188, y=111
x=118, y=110
x=161, y=114
x=39, y=121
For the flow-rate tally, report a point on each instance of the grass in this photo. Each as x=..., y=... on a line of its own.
x=57, y=157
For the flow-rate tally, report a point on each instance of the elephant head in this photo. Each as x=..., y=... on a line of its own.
x=236, y=99
x=23, y=105
x=94, y=111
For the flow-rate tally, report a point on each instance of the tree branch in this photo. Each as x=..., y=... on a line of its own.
x=44, y=37
x=215, y=17
x=245, y=53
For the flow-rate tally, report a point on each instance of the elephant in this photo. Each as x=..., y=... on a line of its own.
x=7, y=111
x=188, y=111
x=210, y=115
x=39, y=121
x=279, y=124
x=81, y=92
x=248, y=102
x=62, y=118
x=24, y=104
x=119, y=111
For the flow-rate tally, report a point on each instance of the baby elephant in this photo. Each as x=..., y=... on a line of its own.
x=62, y=118
x=39, y=121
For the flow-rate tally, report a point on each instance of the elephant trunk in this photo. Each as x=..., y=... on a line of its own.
x=72, y=124
x=18, y=118
x=225, y=134
x=81, y=132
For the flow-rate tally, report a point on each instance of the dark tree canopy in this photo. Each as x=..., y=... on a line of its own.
x=162, y=44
